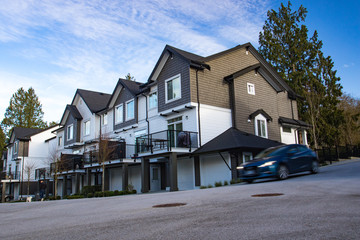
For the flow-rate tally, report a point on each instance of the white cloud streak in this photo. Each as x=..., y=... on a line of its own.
x=90, y=44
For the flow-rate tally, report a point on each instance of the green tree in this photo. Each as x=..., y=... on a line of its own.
x=25, y=110
x=350, y=129
x=285, y=44
x=2, y=146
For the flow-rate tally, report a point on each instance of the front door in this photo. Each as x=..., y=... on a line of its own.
x=155, y=178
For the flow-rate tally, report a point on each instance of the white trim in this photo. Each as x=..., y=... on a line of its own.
x=126, y=109
x=250, y=88
x=166, y=91
x=247, y=154
x=121, y=119
x=68, y=137
x=87, y=128
x=260, y=117
x=151, y=93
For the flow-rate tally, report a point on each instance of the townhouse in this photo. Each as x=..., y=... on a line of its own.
x=27, y=162
x=193, y=121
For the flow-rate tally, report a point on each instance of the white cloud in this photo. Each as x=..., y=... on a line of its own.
x=90, y=44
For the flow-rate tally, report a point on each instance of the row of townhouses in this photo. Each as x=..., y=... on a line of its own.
x=191, y=124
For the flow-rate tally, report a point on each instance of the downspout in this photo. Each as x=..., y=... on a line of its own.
x=232, y=102
x=198, y=102
x=292, y=108
x=147, y=119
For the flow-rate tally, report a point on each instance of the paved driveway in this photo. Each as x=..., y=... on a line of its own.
x=322, y=206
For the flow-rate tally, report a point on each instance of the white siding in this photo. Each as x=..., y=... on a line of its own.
x=213, y=169
x=288, y=138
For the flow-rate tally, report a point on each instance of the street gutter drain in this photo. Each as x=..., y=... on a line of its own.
x=169, y=205
x=267, y=195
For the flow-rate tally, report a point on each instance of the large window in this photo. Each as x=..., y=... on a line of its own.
x=119, y=114
x=70, y=132
x=60, y=141
x=87, y=128
x=130, y=110
x=261, y=126
x=251, y=88
x=173, y=88
x=153, y=100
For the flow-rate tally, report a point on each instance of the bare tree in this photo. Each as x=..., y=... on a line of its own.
x=105, y=150
x=29, y=169
x=56, y=166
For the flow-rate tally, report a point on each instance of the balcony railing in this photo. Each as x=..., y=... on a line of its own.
x=13, y=175
x=167, y=141
x=42, y=173
x=115, y=151
x=68, y=162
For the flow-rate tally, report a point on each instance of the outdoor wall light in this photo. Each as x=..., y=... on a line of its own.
x=249, y=120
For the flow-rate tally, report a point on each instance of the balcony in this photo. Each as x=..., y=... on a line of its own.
x=15, y=175
x=42, y=173
x=167, y=141
x=116, y=152
x=68, y=162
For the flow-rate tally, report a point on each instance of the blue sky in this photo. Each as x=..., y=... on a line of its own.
x=58, y=46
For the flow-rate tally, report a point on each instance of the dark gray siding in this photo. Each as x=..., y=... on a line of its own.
x=76, y=129
x=173, y=67
x=125, y=96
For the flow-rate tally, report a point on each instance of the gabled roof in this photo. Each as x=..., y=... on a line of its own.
x=70, y=109
x=96, y=101
x=233, y=139
x=132, y=86
x=24, y=133
x=260, y=111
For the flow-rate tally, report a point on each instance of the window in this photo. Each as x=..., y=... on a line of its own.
x=261, y=126
x=87, y=128
x=119, y=114
x=153, y=100
x=60, y=141
x=104, y=119
x=251, y=88
x=70, y=132
x=173, y=88
x=286, y=129
x=16, y=145
x=130, y=110
x=247, y=156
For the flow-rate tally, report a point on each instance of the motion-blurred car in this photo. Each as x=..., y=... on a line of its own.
x=279, y=162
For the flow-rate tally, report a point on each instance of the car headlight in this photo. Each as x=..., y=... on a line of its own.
x=267, y=164
x=240, y=167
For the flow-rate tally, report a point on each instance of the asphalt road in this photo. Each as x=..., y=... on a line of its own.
x=321, y=206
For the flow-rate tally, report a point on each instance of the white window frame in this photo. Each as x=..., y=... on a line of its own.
x=105, y=119
x=119, y=119
x=87, y=129
x=127, y=110
x=260, y=117
x=70, y=136
x=247, y=154
x=166, y=88
x=156, y=102
x=60, y=139
x=16, y=144
x=251, y=88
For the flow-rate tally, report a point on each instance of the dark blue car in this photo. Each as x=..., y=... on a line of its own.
x=279, y=162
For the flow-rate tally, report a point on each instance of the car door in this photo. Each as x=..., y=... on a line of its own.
x=298, y=159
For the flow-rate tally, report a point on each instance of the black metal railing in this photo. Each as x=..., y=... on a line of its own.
x=166, y=140
x=330, y=154
x=13, y=175
x=68, y=162
x=42, y=173
x=115, y=151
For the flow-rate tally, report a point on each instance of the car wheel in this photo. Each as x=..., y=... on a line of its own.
x=283, y=172
x=249, y=180
x=314, y=167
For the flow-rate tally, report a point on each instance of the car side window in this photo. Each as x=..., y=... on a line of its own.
x=292, y=150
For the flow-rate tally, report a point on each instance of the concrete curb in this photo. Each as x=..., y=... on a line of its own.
x=341, y=162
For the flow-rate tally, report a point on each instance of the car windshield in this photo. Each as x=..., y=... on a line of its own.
x=270, y=152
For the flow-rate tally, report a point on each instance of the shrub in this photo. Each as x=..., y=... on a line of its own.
x=75, y=196
x=98, y=194
x=58, y=197
x=116, y=192
x=109, y=194
x=134, y=191
x=90, y=189
x=226, y=183
x=210, y=186
x=90, y=195
x=218, y=184
x=129, y=187
x=233, y=181
x=203, y=187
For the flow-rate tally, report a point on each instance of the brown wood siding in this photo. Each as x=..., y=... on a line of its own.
x=173, y=67
x=23, y=150
x=123, y=97
x=266, y=98
x=212, y=88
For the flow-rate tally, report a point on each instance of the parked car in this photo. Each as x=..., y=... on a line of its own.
x=279, y=162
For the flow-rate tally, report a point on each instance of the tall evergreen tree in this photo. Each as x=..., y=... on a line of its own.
x=25, y=110
x=285, y=44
